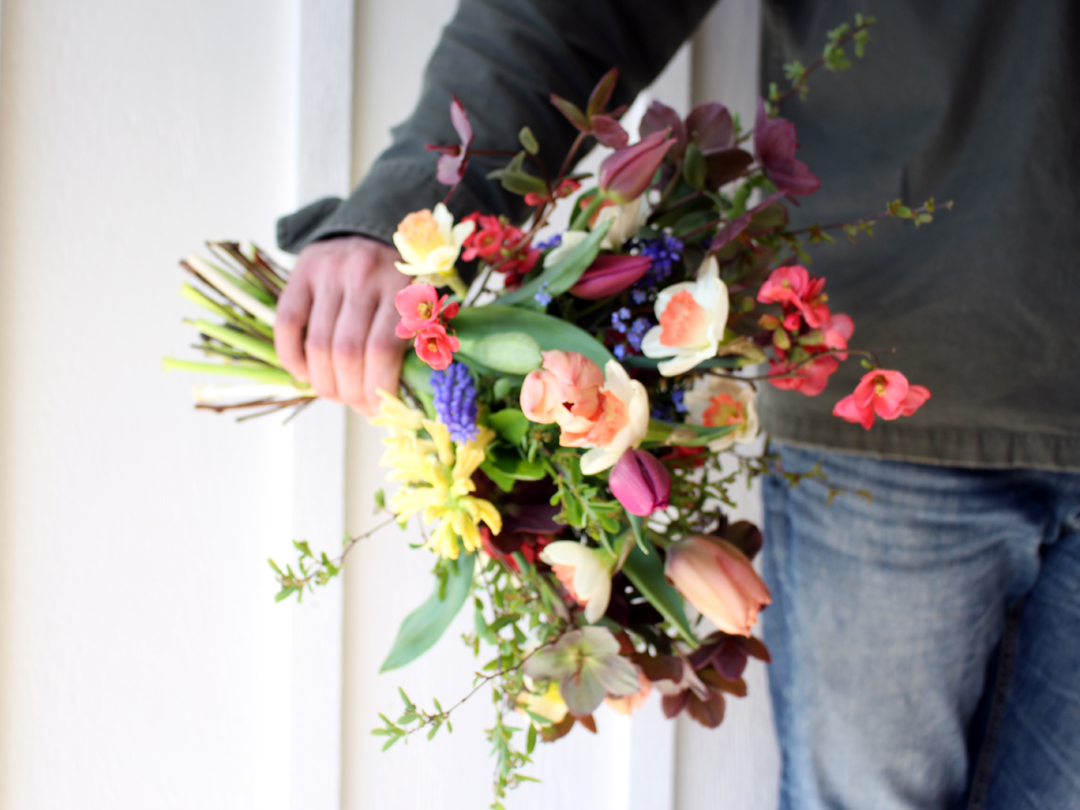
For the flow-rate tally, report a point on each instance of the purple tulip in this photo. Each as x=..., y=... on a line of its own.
x=608, y=274
x=625, y=175
x=640, y=482
x=774, y=145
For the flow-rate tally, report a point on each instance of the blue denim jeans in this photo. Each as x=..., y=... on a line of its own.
x=926, y=646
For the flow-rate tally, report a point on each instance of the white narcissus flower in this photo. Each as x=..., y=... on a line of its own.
x=692, y=316
x=429, y=243
x=626, y=221
x=717, y=402
x=583, y=573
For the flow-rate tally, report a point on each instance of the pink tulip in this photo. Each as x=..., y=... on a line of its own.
x=625, y=175
x=610, y=274
x=885, y=393
x=640, y=482
x=566, y=390
x=718, y=580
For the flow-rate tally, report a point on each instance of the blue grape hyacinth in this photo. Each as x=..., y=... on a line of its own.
x=455, y=401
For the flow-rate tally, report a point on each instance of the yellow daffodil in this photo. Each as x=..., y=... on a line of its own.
x=436, y=476
x=429, y=243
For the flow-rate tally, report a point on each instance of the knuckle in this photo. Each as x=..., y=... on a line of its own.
x=317, y=344
x=348, y=350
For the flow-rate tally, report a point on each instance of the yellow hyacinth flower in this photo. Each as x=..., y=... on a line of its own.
x=436, y=476
x=429, y=243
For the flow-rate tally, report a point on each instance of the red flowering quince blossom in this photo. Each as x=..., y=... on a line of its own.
x=423, y=317
x=886, y=393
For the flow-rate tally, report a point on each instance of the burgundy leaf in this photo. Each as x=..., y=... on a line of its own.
x=660, y=117
x=724, y=166
x=710, y=713
x=711, y=128
x=609, y=131
x=601, y=94
x=673, y=704
x=730, y=659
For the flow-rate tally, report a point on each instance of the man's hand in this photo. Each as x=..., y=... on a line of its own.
x=336, y=318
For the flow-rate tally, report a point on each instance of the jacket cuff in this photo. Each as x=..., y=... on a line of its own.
x=391, y=190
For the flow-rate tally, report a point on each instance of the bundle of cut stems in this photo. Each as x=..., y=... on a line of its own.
x=241, y=288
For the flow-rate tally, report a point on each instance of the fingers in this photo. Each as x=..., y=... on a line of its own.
x=350, y=335
x=293, y=309
x=382, y=357
x=319, y=342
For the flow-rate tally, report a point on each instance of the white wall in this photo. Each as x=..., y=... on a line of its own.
x=143, y=661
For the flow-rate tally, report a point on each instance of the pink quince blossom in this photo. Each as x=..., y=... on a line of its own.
x=421, y=308
x=435, y=347
x=808, y=378
x=837, y=331
x=793, y=288
x=883, y=392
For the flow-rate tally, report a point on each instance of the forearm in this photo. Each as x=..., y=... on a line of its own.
x=503, y=58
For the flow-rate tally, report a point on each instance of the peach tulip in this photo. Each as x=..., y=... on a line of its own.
x=718, y=580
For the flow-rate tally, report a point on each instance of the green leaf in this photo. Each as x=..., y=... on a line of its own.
x=516, y=180
x=558, y=278
x=549, y=332
x=646, y=572
x=580, y=220
x=518, y=468
x=424, y=626
x=530, y=742
x=528, y=141
x=694, y=167
x=636, y=527
x=505, y=353
x=510, y=423
x=501, y=479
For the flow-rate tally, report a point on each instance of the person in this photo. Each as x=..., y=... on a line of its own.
x=924, y=643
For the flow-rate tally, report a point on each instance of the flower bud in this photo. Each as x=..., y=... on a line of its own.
x=610, y=274
x=625, y=175
x=640, y=482
x=718, y=580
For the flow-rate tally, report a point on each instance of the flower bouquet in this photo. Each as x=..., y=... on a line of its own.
x=569, y=421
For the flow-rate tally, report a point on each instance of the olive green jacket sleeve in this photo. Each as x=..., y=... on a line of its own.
x=503, y=59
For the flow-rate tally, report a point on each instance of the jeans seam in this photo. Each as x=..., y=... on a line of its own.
x=984, y=766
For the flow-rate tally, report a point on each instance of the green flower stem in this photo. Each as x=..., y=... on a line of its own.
x=229, y=314
x=224, y=284
x=261, y=349
x=271, y=376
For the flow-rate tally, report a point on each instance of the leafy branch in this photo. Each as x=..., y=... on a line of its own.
x=314, y=570
x=922, y=215
x=833, y=58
